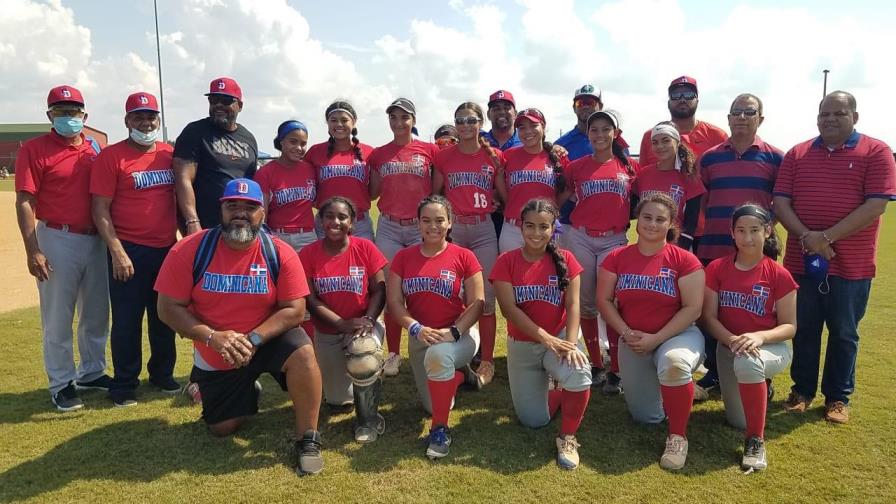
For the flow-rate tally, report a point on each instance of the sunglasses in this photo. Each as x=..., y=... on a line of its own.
x=585, y=102
x=747, y=112
x=221, y=100
x=682, y=95
x=469, y=120
x=445, y=140
x=66, y=112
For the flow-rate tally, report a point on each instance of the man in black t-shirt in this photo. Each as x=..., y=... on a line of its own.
x=211, y=152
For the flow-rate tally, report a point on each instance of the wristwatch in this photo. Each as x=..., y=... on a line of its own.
x=255, y=339
x=455, y=332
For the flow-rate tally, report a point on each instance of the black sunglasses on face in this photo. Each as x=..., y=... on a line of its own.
x=682, y=95
x=749, y=112
x=221, y=100
x=470, y=120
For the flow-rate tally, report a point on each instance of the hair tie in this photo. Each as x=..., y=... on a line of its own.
x=347, y=111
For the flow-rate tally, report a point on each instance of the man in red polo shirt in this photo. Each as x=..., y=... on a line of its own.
x=132, y=184
x=242, y=305
x=64, y=252
x=829, y=194
x=700, y=136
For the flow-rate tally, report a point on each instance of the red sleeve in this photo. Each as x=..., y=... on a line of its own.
x=175, y=278
x=470, y=263
x=397, y=265
x=263, y=179
x=694, y=186
x=783, y=282
x=373, y=160
x=374, y=258
x=784, y=182
x=306, y=257
x=104, y=175
x=291, y=284
x=440, y=159
x=687, y=262
x=433, y=150
x=501, y=269
x=611, y=263
x=645, y=146
x=880, y=177
x=712, y=274
x=28, y=175
x=572, y=264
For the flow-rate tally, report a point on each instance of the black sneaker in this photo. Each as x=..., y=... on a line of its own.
x=103, y=383
x=308, y=450
x=123, y=398
x=67, y=399
x=612, y=385
x=709, y=381
x=167, y=385
x=439, y=442
x=598, y=376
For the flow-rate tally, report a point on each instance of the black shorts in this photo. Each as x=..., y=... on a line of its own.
x=231, y=393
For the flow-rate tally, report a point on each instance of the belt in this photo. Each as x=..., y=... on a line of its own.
x=292, y=230
x=470, y=219
x=401, y=222
x=597, y=234
x=89, y=230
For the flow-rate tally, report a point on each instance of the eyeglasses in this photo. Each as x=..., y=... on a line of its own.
x=469, y=120
x=683, y=95
x=66, y=112
x=585, y=102
x=221, y=100
x=748, y=112
x=445, y=140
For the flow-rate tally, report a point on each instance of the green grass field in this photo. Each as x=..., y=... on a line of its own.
x=159, y=451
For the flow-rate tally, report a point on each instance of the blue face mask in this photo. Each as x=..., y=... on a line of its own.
x=68, y=126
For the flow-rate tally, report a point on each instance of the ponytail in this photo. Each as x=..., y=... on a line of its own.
x=490, y=151
x=540, y=205
x=687, y=159
x=559, y=179
x=619, y=153
x=356, y=145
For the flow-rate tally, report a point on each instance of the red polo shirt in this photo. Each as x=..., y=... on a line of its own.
x=825, y=185
x=58, y=176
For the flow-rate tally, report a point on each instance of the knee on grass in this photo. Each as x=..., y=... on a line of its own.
x=225, y=428
x=675, y=367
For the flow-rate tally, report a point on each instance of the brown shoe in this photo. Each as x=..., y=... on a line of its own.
x=797, y=403
x=836, y=412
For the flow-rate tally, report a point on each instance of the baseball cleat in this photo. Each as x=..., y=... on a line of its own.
x=598, y=376
x=308, y=448
x=612, y=385
x=676, y=453
x=439, y=441
x=486, y=372
x=392, y=364
x=754, y=454
x=567, y=452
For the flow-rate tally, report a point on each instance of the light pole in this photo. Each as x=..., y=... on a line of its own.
x=155, y=8
x=824, y=91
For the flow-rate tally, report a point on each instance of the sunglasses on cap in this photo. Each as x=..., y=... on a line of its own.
x=682, y=95
x=585, y=102
x=216, y=99
x=445, y=140
x=747, y=112
x=469, y=120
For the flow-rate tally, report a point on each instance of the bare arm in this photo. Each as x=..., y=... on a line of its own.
x=813, y=241
x=184, y=174
x=438, y=182
x=38, y=265
x=474, y=299
x=501, y=186
x=606, y=301
x=710, y=318
x=122, y=267
x=858, y=219
x=786, y=317
x=691, y=287
x=375, y=186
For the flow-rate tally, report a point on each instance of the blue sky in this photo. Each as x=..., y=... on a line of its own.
x=294, y=57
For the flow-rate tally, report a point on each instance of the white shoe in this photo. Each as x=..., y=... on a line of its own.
x=486, y=372
x=567, y=452
x=676, y=453
x=392, y=364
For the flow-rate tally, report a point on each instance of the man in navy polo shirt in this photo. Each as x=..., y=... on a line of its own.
x=829, y=194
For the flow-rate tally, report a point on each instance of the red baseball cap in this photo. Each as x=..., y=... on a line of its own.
x=684, y=80
x=501, y=95
x=141, y=101
x=64, y=94
x=532, y=114
x=225, y=86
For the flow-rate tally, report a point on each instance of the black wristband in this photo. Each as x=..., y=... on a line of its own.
x=455, y=332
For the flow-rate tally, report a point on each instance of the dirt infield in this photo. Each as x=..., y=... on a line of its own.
x=19, y=289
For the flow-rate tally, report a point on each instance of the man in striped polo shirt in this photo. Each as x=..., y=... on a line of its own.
x=741, y=169
x=830, y=194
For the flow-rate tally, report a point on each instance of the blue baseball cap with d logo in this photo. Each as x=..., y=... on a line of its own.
x=243, y=189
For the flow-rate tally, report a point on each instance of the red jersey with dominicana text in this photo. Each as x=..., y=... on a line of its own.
x=469, y=179
x=647, y=286
x=292, y=189
x=58, y=176
x=406, y=172
x=235, y=293
x=703, y=137
x=747, y=298
x=141, y=185
x=603, y=192
x=535, y=289
x=824, y=186
x=432, y=285
x=341, y=281
x=528, y=176
x=341, y=175
x=680, y=186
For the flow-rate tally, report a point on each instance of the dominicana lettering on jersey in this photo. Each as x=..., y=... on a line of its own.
x=355, y=171
x=546, y=293
x=327, y=285
x=290, y=194
x=441, y=286
x=589, y=188
x=152, y=178
x=481, y=180
x=256, y=282
x=753, y=302
x=416, y=166
x=545, y=177
x=664, y=283
x=675, y=191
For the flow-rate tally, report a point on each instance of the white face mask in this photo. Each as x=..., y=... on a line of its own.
x=145, y=138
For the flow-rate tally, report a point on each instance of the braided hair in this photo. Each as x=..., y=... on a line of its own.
x=540, y=205
x=331, y=142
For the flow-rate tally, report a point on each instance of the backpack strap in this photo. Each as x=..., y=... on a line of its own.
x=205, y=252
x=271, y=257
